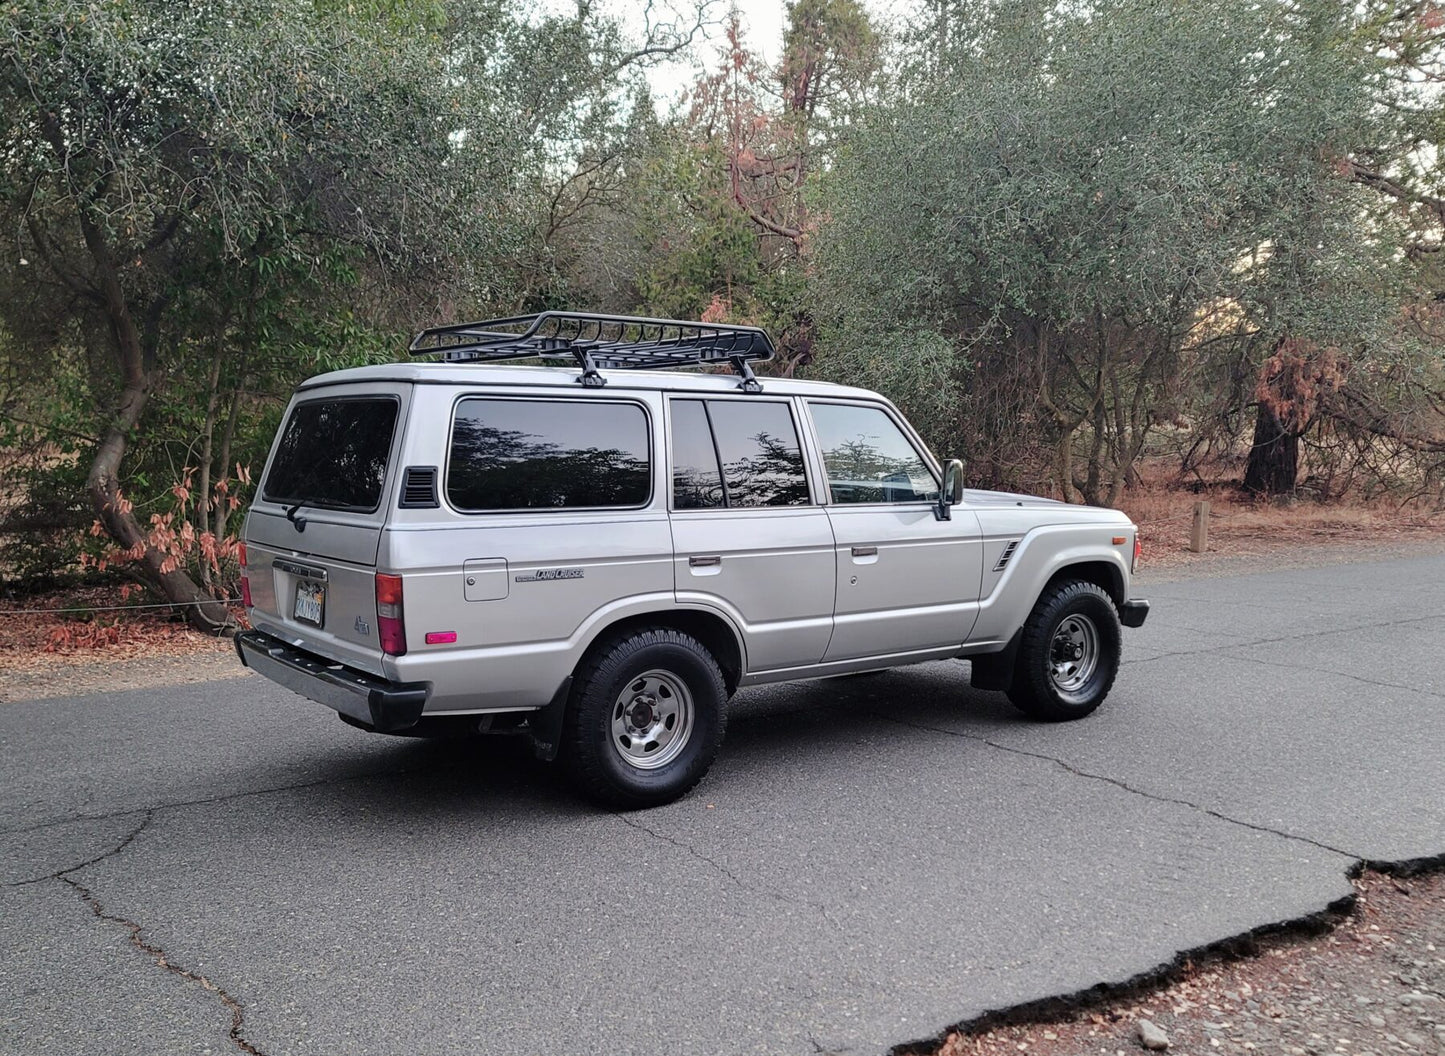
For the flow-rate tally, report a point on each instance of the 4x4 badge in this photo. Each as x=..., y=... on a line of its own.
x=362, y=627
x=549, y=573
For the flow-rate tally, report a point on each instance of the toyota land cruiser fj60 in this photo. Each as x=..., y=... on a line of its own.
x=598, y=554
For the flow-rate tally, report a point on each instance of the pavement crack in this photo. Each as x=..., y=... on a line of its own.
x=162, y=960
x=203, y=801
x=1338, y=674
x=150, y=949
x=723, y=870
x=716, y=865
x=1248, y=644
x=60, y=874
x=1119, y=783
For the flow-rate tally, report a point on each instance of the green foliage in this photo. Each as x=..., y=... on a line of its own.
x=701, y=248
x=1072, y=197
x=215, y=200
x=1052, y=231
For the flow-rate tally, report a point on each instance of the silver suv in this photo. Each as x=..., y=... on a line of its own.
x=599, y=557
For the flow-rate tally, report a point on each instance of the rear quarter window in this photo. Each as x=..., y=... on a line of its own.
x=548, y=454
x=333, y=453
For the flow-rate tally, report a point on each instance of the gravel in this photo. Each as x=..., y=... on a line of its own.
x=1374, y=985
x=1150, y=1036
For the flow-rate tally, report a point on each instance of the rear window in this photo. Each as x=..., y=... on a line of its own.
x=333, y=453
x=548, y=454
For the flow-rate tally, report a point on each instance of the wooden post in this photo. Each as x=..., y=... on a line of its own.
x=1199, y=530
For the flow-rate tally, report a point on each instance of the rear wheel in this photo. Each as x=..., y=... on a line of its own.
x=1068, y=654
x=646, y=719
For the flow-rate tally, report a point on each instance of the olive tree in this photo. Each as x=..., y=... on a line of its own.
x=206, y=199
x=1061, y=205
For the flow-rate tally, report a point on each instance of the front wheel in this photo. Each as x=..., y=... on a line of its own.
x=1068, y=654
x=646, y=719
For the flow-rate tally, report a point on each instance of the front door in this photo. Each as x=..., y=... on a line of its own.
x=907, y=582
x=748, y=537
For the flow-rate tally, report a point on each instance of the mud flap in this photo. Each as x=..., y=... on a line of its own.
x=546, y=724
x=996, y=670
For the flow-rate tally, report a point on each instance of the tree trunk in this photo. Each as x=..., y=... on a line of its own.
x=1064, y=464
x=137, y=375
x=103, y=486
x=208, y=430
x=223, y=506
x=1274, y=457
x=102, y=483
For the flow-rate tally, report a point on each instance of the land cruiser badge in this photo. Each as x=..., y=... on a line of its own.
x=549, y=573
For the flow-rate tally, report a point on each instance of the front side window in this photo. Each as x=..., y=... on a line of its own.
x=868, y=458
x=548, y=454
x=752, y=457
x=333, y=454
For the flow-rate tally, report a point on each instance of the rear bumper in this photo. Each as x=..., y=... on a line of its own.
x=387, y=707
x=1134, y=613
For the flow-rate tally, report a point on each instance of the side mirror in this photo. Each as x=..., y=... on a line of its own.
x=952, y=491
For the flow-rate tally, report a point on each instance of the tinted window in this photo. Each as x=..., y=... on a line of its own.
x=333, y=453
x=696, y=480
x=868, y=458
x=761, y=461
x=547, y=454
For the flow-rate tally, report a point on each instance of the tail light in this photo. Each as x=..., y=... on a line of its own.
x=245, y=581
x=390, y=618
x=1138, y=549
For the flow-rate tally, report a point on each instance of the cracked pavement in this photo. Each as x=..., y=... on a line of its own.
x=227, y=868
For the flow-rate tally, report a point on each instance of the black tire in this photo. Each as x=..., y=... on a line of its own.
x=660, y=667
x=1050, y=683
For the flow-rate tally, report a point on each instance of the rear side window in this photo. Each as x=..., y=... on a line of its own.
x=696, y=479
x=333, y=453
x=735, y=453
x=548, y=454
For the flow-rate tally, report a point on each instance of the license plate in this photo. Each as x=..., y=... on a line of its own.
x=310, y=602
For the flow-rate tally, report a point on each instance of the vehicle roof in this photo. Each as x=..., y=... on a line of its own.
x=479, y=376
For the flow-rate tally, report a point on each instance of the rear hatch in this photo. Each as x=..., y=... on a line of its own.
x=313, y=531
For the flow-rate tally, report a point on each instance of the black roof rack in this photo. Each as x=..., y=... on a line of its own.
x=598, y=342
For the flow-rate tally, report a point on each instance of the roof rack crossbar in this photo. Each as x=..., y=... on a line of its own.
x=600, y=342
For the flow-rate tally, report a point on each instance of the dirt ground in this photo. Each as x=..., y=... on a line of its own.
x=1373, y=984
x=1249, y=537
x=73, y=653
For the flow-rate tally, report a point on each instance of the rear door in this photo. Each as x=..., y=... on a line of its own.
x=313, y=531
x=907, y=581
x=748, y=535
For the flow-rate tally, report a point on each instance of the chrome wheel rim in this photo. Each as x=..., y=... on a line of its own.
x=652, y=720
x=1074, y=654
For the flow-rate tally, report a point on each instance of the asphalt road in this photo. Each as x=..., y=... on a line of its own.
x=870, y=861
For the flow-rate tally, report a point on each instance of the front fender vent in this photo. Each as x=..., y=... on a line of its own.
x=419, y=488
x=1006, y=556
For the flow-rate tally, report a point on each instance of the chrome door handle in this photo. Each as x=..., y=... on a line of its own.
x=704, y=562
x=865, y=551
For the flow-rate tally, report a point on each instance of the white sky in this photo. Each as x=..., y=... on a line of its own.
x=762, y=34
x=762, y=20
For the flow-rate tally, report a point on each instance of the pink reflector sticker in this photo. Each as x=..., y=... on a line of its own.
x=440, y=637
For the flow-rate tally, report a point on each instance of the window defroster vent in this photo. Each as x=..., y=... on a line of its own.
x=419, y=488
x=1006, y=556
